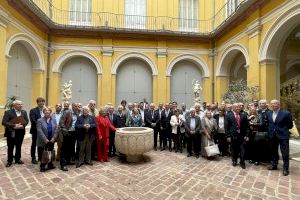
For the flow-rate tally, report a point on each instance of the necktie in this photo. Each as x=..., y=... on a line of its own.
x=237, y=117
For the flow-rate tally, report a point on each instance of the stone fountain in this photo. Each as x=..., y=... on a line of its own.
x=134, y=142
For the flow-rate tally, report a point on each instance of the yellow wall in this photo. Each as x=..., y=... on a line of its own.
x=257, y=72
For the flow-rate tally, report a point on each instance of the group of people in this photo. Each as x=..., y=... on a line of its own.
x=84, y=133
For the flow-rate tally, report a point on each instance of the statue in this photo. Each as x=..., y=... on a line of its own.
x=66, y=91
x=197, y=89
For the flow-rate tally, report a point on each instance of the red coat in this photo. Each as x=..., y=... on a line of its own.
x=103, y=126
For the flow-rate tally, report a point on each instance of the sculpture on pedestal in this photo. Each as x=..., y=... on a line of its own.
x=66, y=91
x=197, y=89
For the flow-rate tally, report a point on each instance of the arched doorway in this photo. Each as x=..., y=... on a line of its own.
x=134, y=81
x=233, y=65
x=183, y=74
x=279, y=53
x=19, y=75
x=83, y=74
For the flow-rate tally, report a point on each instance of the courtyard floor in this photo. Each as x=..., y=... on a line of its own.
x=163, y=175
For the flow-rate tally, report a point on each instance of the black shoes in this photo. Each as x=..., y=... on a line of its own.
x=285, y=173
x=272, y=168
x=8, y=164
x=64, y=168
x=34, y=161
x=234, y=164
x=243, y=166
x=20, y=162
x=189, y=155
x=43, y=169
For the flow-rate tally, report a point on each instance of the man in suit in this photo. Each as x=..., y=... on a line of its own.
x=280, y=121
x=152, y=121
x=120, y=119
x=35, y=114
x=86, y=129
x=237, y=130
x=166, y=127
x=193, y=129
x=112, y=118
x=14, y=131
x=143, y=113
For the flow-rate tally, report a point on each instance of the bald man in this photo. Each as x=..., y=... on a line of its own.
x=280, y=121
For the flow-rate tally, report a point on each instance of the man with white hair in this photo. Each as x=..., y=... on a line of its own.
x=198, y=111
x=93, y=110
x=15, y=121
x=86, y=129
x=237, y=131
x=280, y=121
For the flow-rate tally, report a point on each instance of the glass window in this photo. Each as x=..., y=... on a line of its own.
x=135, y=14
x=188, y=15
x=231, y=6
x=80, y=12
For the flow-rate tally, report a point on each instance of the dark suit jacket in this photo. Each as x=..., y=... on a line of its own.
x=281, y=126
x=80, y=128
x=231, y=127
x=149, y=119
x=198, y=126
x=265, y=121
x=8, y=116
x=165, y=120
x=34, y=115
x=119, y=121
x=217, y=117
x=42, y=131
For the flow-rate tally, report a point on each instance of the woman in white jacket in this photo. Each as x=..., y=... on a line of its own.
x=176, y=122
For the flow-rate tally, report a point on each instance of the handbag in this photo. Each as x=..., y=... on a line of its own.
x=259, y=136
x=48, y=156
x=211, y=149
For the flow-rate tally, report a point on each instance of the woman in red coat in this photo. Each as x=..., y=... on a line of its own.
x=102, y=136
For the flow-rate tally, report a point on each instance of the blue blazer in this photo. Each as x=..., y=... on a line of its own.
x=42, y=131
x=81, y=130
x=281, y=126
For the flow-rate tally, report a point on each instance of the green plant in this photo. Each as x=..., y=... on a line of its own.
x=238, y=91
x=9, y=102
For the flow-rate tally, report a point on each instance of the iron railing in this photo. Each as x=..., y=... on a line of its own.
x=110, y=21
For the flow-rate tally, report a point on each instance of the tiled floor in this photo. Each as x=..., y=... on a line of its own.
x=164, y=175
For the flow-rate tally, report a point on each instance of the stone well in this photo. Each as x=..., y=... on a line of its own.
x=134, y=142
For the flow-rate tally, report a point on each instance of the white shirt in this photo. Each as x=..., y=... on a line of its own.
x=274, y=115
x=18, y=113
x=221, y=123
x=142, y=114
x=193, y=123
x=57, y=116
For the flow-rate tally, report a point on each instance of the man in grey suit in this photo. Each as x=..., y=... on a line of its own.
x=193, y=131
x=46, y=136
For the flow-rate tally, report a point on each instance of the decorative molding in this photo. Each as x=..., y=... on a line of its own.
x=60, y=61
x=238, y=47
x=212, y=53
x=107, y=50
x=292, y=62
x=254, y=28
x=162, y=52
x=246, y=67
x=2, y=107
x=4, y=18
x=265, y=51
x=130, y=55
x=33, y=50
x=268, y=62
x=196, y=60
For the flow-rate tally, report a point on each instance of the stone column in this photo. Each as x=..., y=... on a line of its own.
x=38, y=87
x=162, y=81
x=253, y=71
x=222, y=83
x=107, y=91
x=269, y=84
x=3, y=64
x=3, y=58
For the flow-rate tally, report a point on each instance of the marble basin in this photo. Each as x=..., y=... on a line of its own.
x=134, y=142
